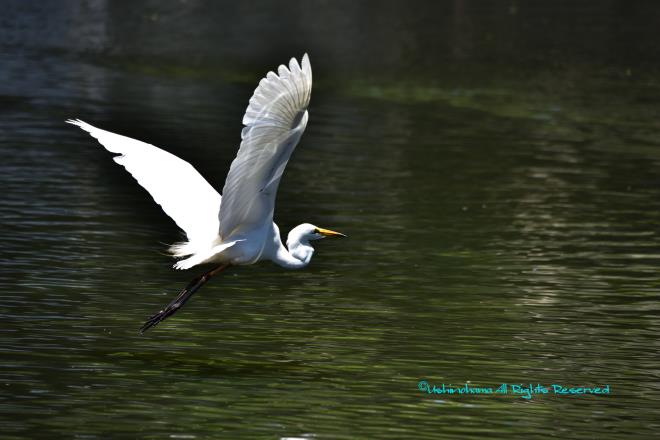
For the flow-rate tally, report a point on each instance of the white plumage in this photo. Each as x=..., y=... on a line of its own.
x=238, y=227
x=274, y=122
x=174, y=184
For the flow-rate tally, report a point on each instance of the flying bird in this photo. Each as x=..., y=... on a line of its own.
x=237, y=228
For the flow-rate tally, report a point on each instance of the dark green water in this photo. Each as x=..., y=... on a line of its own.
x=503, y=223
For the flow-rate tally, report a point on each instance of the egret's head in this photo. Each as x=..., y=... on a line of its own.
x=299, y=238
x=308, y=232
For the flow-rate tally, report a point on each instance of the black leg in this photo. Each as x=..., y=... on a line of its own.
x=181, y=299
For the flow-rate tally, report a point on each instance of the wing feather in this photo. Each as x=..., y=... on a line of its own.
x=173, y=183
x=274, y=121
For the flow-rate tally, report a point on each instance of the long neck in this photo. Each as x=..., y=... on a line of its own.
x=298, y=254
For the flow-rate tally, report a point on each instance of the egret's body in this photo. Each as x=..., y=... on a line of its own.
x=237, y=228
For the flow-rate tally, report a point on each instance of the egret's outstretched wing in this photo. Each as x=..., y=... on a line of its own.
x=174, y=184
x=274, y=122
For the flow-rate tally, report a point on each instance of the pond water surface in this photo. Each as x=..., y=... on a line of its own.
x=503, y=229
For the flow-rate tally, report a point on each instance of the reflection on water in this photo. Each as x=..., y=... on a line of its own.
x=501, y=232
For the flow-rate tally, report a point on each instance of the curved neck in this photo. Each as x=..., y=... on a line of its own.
x=298, y=254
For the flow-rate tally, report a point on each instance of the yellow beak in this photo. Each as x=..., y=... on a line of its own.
x=329, y=233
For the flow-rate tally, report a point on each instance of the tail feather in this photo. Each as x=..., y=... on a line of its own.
x=182, y=249
x=189, y=262
x=195, y=255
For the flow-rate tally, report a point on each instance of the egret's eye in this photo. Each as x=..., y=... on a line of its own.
x=316, y=231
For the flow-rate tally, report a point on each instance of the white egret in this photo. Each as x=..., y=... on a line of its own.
x=237, y=228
